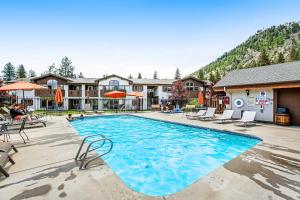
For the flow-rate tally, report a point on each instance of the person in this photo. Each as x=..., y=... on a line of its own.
x=18, y=114
x=163, y=102
x=81, y=116
x=70, y=117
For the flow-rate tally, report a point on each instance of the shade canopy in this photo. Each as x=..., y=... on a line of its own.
x=200, y=98
x=115, y=94
x=135, y=94
x=21, y=85
x=58, y=98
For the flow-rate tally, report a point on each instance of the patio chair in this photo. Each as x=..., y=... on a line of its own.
x=6, y=133
x=195, y=115
x=6, y=147
x=247, y=118
x=4, y=159
x=227, y=115
x=210, y=114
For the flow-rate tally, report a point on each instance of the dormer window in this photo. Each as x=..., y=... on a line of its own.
x=189, y=86
x=114, y=84
x=52, y=84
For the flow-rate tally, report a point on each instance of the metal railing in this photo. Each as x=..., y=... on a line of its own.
x=83, y=157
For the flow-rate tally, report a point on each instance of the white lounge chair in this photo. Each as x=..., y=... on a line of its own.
x=210, y=114
x=227, y=115
x=193, y=115
x=247, y=118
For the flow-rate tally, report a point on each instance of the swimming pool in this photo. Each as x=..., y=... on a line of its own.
x=160, y=158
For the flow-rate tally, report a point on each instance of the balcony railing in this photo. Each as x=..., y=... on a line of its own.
x=115, y=87
x=91, y=93
x=74, y=93
x=47, y=93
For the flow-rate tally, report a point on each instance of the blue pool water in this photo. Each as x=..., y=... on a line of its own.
x=160, y=158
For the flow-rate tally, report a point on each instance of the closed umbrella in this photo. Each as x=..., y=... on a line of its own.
x=58, y=98
x=115, y=95
x=200, y=98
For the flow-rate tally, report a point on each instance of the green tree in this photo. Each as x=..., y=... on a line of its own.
x=9, y=72
x=80, y=75
x=292, y=54
x=31, y=74
x=155, y=75
x=139, y=76
x=52, y=69
x=130, y=76
x=66, y=69
x=177, y=74
x=217, y=76
x=280, y=58
x=211, y=77
x=21, y=72
x=263, y=58
x=200, y=74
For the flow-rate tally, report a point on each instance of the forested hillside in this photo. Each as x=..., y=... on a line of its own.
x=276, y=44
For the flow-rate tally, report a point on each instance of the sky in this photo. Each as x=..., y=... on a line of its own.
x=131, y=36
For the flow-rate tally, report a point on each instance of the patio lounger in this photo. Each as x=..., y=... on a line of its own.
x=4, y=158
x=210, y=113
x=195, y=115
x=227, y=115
x=247, y=118
x=7, y=147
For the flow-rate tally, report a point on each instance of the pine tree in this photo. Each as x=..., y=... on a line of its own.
x=66, y=69
x=217, y=76
x=292, y=54
x=31, y=74
x=9, y=72
x=139, y=76
x=52, y=69
x=80, y=75
x=21, y=72
x=280, y=58
x=200, y=74
x=177, y=74
x=130, y=76
x=263, y=58
x=155, y=76
x=211, y=77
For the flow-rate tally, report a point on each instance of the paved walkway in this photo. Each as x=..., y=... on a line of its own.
x=45, y=168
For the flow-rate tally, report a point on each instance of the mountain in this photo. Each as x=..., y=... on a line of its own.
x=276, y=44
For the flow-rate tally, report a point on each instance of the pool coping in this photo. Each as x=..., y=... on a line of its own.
x=178, y=123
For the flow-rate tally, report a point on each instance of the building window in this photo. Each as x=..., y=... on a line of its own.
x=138, y=88
x=166, y=88
x=114, y=82
x=189, y=86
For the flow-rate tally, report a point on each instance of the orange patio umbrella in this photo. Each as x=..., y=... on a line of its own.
x=200, y=98
x=58, y=98
x=115, y=94
x=135, y=94
x=21, y=85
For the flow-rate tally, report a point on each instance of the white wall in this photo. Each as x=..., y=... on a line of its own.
x=106, y=81
x=250, y=104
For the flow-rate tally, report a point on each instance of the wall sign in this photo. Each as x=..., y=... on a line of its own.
x=238, y=103
x=262, y=99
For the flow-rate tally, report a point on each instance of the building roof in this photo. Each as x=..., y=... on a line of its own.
x=113, y=75
x=84, y=80
x=50, y=74
x=153, y=81
x=279, y=73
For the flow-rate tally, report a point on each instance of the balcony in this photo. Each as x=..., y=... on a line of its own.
x=74, y=93
x=91, y=93
x=47, y=93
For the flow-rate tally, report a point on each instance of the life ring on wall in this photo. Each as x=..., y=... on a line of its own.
x=238, y=103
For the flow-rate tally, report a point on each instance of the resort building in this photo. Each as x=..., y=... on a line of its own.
x=88, y=93
x=268, y=90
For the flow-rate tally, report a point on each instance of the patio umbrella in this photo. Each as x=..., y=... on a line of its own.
x=200, y=98
x=115, y=95
x=21, y=85
x=58, y=98
x=137, y=95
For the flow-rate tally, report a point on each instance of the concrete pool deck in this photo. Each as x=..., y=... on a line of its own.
x=45, y=167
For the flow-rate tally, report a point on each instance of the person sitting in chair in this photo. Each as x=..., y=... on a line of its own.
x=18, y=114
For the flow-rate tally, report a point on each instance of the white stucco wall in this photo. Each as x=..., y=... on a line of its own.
x=250, y=104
